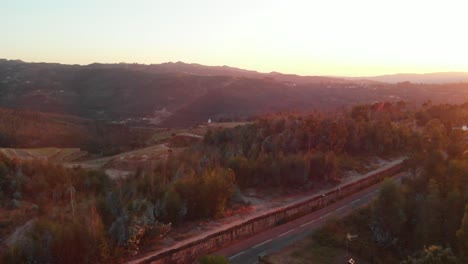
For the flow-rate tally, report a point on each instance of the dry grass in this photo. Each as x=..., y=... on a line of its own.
x=51, y=154
x=164, y=134
x=229, y=124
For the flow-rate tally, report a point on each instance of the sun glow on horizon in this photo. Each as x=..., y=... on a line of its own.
x=335, y=37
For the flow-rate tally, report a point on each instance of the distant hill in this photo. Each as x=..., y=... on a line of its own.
x=180, y=94
x=125, y=92
x=202, y=70
x=439, y=77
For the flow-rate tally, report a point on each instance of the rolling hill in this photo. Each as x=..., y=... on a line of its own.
x=180, y=94
x=438, y=77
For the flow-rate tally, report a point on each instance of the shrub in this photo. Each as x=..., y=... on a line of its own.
x=213, y=259
x=55, y=242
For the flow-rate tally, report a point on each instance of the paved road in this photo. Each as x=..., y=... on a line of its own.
x=194, y=239
x=272, y=240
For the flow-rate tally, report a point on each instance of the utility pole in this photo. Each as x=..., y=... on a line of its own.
x=72, y=200
x=152, y=172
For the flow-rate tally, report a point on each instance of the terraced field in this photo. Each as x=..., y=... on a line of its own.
x=160, y=148
x=51, y=154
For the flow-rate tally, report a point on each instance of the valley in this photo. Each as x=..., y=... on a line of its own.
x=183, y=95
x=141, y=161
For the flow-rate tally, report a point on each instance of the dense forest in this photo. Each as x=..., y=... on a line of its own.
x=425, y=220
x=81, y=216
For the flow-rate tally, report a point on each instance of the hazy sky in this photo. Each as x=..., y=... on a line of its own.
x=329, y=37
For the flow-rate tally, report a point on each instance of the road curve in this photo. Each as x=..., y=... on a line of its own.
x=246, y=251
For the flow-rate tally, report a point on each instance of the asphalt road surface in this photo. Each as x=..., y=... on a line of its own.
x=247, y=251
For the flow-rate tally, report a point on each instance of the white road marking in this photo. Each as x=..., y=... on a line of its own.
x=262, y=243
x=287, y=232
x=310, y=222
x=341, y=208
x=237, y=254
x=327, y=214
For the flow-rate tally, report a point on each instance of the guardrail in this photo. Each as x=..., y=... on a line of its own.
x=189, y=252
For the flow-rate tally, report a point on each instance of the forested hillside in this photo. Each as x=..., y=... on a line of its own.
x=180, y=95
x=425, y=219
x=87, y=217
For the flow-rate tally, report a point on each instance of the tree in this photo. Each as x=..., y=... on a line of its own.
x=3, y=180
x=435, y=135
x=323, y=166
x=331, y=165
x=55, y=242
x=383, y=136
x=336, y=136
x=433, y=255
x=452, y=210
x=457, y=143
x=458, y=173
x=241, y=167
x=218, y=187
x=173, y=204
x=387, y=215
x=429, y=229
x=213, y=259
x=435, y=168
x=360, y=113
x=462, y=233
x=294, y=170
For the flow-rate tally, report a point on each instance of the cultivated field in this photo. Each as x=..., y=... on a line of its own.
x=51, y=154
x=160, y=147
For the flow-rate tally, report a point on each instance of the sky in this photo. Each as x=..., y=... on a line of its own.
x=308, y=37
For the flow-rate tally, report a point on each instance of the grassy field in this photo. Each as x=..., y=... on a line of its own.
x=164, y=134
x=50, y=154
x=229, y=124
x=127, y=161
x=157, y=149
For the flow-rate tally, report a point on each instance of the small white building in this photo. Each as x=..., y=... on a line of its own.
x=462, y=128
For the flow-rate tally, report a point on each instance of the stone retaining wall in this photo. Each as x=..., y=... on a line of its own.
x=190, y=252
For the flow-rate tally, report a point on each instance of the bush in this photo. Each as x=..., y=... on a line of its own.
x=213, y=259
x=54, y=242
x=433, y=254
x=15, y=204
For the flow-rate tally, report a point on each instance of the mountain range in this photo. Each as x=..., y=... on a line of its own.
x=181, y=94
x=437, y=77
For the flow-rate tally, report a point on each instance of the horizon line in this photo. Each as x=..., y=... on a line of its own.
x=238, y=68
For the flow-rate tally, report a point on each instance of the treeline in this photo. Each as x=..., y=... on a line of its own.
x=294, y=149
x=426, y=219
x=26, y=129
x=117, y=216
